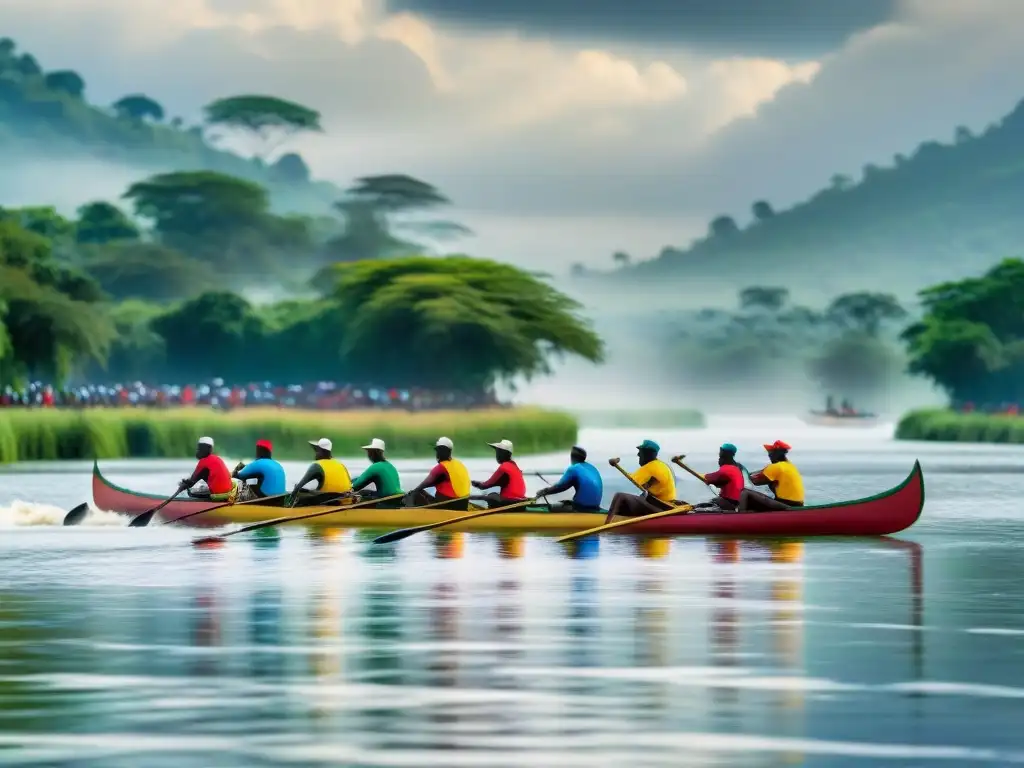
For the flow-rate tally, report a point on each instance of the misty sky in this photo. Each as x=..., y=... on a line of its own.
x=564, y=129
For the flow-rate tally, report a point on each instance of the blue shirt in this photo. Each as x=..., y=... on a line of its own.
x=587, y=481
x=271, y=472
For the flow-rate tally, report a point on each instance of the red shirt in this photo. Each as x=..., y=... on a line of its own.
x=218, y=477
x=509, y=477
x=729, y=478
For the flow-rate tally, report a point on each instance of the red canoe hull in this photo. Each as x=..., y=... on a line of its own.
x=886, y=513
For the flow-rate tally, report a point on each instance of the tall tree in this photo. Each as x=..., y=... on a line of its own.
x=767, y=298
x=103, y=222
x=723, y=226
x=138, y=106
x=762, y=210
x=865, y=312
x=267, y=119
x=66, y=81
x=455, y=322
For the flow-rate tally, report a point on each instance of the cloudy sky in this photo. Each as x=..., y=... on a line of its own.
x=566, y=129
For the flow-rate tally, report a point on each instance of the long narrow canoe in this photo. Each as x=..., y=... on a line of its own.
x=880, y=515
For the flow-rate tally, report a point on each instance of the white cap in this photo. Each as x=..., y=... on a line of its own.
x=444, y=442
x=323, y=443
x=375, y=445
x=502, y=445
x=206, y=441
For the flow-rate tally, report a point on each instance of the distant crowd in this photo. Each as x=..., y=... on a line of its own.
x=324, y=395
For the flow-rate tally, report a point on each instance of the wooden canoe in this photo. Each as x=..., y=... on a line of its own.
x=885, y=513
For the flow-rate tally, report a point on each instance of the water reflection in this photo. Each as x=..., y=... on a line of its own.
x=207, y=630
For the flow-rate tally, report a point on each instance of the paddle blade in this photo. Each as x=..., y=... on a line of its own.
x=76, y=515
x=387, y=538
x=142, y=520
x=208, y=541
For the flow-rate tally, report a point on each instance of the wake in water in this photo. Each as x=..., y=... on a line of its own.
x=26, y=513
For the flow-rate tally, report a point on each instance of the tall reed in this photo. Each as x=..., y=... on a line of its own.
x=47, y=434
x=946, y=425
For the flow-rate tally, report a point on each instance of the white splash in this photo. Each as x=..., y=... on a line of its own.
x=27, y=513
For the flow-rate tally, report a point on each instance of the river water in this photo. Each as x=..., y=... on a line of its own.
x=129, y=648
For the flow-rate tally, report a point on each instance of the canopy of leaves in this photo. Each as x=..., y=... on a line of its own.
x=147, y=271
x=970, y=340
x=455, y=322
x=138, y=106
x=67, y=81
x=102, y=222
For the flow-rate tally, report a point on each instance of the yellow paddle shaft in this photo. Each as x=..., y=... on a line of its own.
x=628, y=521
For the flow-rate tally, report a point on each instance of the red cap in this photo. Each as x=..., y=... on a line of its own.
x=778, y=445
x=265, y=444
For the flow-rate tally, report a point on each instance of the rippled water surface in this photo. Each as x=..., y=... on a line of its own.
x=128, y=647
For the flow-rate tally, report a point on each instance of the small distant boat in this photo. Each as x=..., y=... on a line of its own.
x=833, y=419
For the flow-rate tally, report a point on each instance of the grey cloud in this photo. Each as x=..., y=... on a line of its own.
x=743, y=27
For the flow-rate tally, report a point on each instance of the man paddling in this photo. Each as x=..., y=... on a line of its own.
x=584, y=478
x=330, y=475
x=266, y=471
x=381, y=474
x=507, y=478
x=654, y=476
x=729, y=478
x=211, y=470
x=781, y=476
x=449, y=479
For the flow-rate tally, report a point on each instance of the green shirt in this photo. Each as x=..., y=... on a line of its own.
x=384, y=475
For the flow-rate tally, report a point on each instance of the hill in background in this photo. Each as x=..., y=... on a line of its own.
x=945, y=211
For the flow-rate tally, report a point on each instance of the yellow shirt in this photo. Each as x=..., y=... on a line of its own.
x=789, y=486
x=336, y=477
x=664, y=486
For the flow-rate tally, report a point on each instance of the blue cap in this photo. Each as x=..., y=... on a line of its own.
x=727, y=448
x=649, y=445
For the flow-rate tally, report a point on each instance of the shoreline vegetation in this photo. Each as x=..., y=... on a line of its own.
x=945, y=425
x=615, y=418
x=101, y=433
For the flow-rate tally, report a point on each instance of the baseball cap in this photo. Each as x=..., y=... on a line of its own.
x=727, y=448
x=778, y=445
x=502, y=445
x=206, y=441
x=265, y=444
x=649, y=445
x=375, y=445
x=323, y=443
x=444, y=442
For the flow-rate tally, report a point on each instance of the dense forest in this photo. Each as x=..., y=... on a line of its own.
x=944, y=211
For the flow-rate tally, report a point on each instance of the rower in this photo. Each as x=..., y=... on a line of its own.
x=781, y=476
x=508, y=478
x=331, y=475
x=268, y=473
x=655, y=477
x=449, y=478
x=381, y=473
x=729, y=478
x=584, y=478
x=211, y=470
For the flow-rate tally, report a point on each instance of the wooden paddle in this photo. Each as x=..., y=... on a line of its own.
x=143, y=520
x=678, y=461
x=615, y=463
x=281, y=520
x=248, y=502
x=404, y=533
x=77, y=515
x=628, y=521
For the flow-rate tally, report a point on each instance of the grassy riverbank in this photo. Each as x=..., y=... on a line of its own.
x=641, y=419
x=951, y=426
x=47, y=434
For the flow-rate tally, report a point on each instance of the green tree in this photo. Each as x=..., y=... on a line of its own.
x=771, y=299
x=137, y=353
x=970, y=338
x=214, y=334
x=857, y=364
x=865, y=312
x=621, y=259
x=138, y=106
x=268, y=119
x=455, y=322
x=66, y=81
x=135, y=269
x=762, y=210
x=723, y=226
x=53, y=323
x=103, y=222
